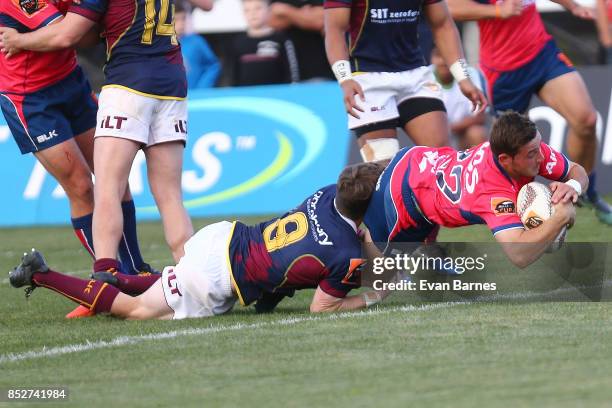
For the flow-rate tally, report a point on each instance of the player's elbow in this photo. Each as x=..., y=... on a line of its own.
x=520, y=262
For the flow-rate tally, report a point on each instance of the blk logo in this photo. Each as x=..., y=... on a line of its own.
x=180, y=126
x=47, y=136
x=112, y=122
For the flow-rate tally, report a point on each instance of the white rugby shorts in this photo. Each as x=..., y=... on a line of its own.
x=200, y=285
x=125, y=114
x=384, y=91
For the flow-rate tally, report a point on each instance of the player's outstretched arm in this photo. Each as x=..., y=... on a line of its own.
x=283, y=16
x=466, y=10
x=446, y=38
x=523, y=247
x=64, y=33
x=322, y=302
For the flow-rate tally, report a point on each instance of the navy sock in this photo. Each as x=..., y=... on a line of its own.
x=591, y=192
x=129, y=251
x=82, y=229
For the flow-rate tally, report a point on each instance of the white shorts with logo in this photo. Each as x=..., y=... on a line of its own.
x=200, y=285
x=144, y=119
x=384, y=91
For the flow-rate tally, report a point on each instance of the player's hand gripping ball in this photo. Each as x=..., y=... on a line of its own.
x=535, y=207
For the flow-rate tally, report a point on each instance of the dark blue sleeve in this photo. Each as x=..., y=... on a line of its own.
x=344, y=276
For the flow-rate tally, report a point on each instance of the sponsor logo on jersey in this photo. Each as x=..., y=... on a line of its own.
x=384, y=15
x=318, y=232
x=502, y=206
x=30, y=6
x=550, y=166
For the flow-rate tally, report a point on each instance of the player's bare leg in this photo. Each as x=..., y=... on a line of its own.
x=86, y=145
x=429, y=129
x=164, y=169
x=68, y=166
x=113, y=159
x=98, y=296
x=129, y=248
x=568, y=95
x=150, y=305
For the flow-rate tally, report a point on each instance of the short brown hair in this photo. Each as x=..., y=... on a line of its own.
x=355, y=186
x=510, y=132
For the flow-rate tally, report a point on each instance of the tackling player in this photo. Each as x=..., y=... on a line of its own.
x=425, y=187
x=315, y=245
x=384, y=65
x=50, y=109
x=519, y=59
x=142, y=105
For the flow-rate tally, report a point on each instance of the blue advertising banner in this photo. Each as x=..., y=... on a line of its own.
x=257, y=150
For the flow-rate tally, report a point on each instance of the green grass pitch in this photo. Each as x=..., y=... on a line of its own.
x=554, y=354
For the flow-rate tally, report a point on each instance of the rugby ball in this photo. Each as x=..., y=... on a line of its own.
x=534, y=207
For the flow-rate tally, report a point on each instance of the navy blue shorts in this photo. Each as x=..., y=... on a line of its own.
x=51, y=115
x=512, y=90
x=384, y=215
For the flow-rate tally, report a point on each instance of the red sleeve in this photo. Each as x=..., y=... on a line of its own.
x=337, y=4
x=555, y=165
x=498, y=211
x=31, y=14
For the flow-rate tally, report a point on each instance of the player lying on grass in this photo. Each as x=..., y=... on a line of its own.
x=314, y=245
x=424, y=187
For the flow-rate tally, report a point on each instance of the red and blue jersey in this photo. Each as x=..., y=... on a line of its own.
x=507, y=44
x=429, y=186
x=310, y=246
x=382, y=34
x=143, y=53
x=30, y=71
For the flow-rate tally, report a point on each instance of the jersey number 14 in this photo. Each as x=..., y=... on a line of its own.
x=161, y=26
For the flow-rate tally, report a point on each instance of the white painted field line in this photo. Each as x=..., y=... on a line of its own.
x=129, y=340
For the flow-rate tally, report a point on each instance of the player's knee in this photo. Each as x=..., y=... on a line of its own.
x=586, y=122
x=79, y=186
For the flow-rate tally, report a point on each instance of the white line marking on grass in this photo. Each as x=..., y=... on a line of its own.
x=130, y=340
